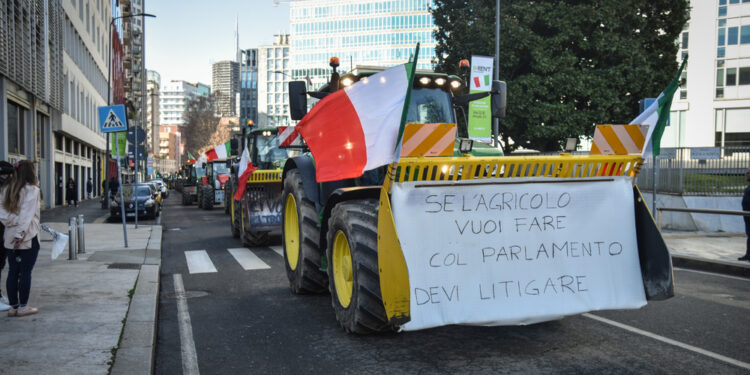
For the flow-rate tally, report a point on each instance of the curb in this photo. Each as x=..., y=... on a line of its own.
x=136, y=353
x=720, y=266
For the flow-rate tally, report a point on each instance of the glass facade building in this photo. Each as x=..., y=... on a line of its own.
x=273, y=82
x=359, y=32
x=249, y=86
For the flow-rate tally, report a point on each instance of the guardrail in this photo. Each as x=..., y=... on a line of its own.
x=699, y=211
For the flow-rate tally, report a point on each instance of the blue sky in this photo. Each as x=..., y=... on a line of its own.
x=187, y=36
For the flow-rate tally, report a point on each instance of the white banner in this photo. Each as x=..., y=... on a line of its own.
x=520, y=253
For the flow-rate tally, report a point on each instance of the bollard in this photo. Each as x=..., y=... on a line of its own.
x=72, y=239
x=81, y=237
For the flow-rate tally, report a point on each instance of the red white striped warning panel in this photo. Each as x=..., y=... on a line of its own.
x=288, y=136
x=428, y=140
x=619, y=139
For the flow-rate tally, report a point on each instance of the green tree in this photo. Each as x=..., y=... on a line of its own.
x=569, y=64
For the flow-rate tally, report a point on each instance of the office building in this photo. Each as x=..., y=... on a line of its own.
x=273, y=77
x=174, y=99
x=31, y=85
x=248, y=86
x=226, y=87
x=712, y=107
x=358, y=32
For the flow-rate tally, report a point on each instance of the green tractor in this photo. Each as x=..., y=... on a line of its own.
x=258, y=213
x=425, y=242
x=187, y=182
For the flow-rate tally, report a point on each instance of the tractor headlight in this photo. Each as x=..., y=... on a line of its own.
x=455, y=84
x=466, y=146
x=347, y=82
x=440, y=81
x=425, y=81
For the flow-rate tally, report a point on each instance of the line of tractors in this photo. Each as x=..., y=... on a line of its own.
x=339, y=237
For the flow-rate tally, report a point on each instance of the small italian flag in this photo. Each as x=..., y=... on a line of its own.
x=219, y=152
x=657, y=114
x=358, y=128
x=191, y=158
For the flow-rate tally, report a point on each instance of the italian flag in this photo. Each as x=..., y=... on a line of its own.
x=357, y=128
x=191, y=158
x=246, y=169
x=219, y=152
x=657, y=114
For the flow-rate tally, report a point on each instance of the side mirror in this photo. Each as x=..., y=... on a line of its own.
x=499, y=98
x=297, y=100
x=234, y=146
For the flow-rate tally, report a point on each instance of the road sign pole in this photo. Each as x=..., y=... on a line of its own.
x=122, y=200
x=135, y=156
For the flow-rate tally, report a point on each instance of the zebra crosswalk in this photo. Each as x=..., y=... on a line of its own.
x=199, y=261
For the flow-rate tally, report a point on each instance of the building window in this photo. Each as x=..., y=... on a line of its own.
x=719, y=77
x=745, y=34
x=16, y=129
x=745, y=76
x=732, y=34
x=719, y=92
x=731, y=76
x=720, y=52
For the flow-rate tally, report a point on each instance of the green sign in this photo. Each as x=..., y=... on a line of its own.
x=118, y=140
x=480, y=112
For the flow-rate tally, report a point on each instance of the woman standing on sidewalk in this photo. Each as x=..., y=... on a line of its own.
x=19, y=212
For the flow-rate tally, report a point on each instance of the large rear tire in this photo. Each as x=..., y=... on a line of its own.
x=208, y=198
x=228, y=194
x=300, y=236
x=354, y=280
x=252, y=238
x=199, y=196
x=186, y=199
x=235, y=218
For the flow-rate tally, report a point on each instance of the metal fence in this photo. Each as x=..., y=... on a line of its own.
x=702, y=171
x=708, y=171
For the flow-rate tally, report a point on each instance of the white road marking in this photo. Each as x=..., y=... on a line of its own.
x=278, y=249
x=678, y=344
x=187, y=344
x=199, y=262
x=713, y=274
x=247, y=259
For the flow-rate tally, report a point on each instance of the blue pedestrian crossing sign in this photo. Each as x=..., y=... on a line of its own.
x=112, y=118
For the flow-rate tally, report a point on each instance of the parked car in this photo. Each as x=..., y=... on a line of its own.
x=145, y=202
x=162, y=187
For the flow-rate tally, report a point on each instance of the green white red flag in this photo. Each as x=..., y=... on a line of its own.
x=219, y=152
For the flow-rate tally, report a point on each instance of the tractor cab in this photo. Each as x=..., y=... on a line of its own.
x=265, y=153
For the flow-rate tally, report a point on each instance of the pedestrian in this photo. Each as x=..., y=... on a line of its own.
x=89, y=188
x=71, y=193
x=19, y=212
x=6, y=170
x=746, y=207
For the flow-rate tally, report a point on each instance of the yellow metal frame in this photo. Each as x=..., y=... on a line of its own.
x=265, y=175
x=394, y=275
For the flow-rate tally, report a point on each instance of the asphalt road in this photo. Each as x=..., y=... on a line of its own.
x=247, y=321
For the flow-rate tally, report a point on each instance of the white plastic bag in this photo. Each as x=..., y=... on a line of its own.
x=59, y=239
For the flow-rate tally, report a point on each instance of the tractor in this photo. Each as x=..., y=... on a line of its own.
x=212, y=185
x=473, y=237
x=187, y=182
x=258, y=213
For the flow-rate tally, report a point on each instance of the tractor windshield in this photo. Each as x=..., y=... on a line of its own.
x=220, y=168
x=430, y=105
x=269, y=153
x=198, y=172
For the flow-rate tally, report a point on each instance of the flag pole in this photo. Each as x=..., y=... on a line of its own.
x=405, y=112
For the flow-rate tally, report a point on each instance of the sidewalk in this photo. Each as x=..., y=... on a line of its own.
x=717, y=252
x=85, y=305
x=90, y=208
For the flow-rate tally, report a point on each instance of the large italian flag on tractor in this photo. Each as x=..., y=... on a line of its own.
x=219, y=152
x=357, y=129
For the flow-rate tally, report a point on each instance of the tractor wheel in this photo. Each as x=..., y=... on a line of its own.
x=228, y=194
x=235, y=222
x=199, y=196
x=208, y=198
x=254, y=238
x=300, y=236
x=186, y=201
x=354, y=280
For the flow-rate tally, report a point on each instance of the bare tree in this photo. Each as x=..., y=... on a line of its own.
x=200, y=124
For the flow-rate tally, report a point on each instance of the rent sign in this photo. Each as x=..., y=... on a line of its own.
x=517, y=253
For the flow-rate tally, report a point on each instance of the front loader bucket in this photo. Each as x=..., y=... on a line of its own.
x=656, y=263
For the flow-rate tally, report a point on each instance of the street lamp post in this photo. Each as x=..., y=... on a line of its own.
x=105, y=203
x=496, y=121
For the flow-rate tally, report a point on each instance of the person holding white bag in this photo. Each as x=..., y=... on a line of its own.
x=20, y=213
